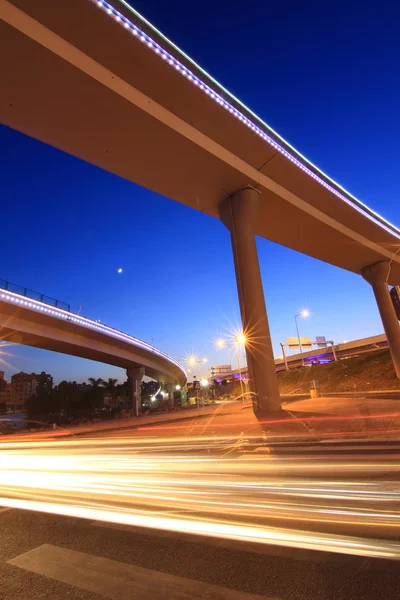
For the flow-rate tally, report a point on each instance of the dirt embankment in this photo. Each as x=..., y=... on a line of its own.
x=361, y=373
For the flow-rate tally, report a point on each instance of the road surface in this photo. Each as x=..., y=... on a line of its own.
x=137, y=562
x=190, y=512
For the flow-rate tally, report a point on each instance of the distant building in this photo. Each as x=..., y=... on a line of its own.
x=6, y=395
x=5, y=390
x=3, y=382
x=23, y=386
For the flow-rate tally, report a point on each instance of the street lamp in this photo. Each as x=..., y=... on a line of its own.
x=194, y=361
x=240, y=340
x=303, y=313
x=220, y=343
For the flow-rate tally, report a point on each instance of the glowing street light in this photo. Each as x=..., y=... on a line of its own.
x=240, y=338
x=177, y=387
x=220, y=343
x=192, y=360
x=204, y=382
x=237, y=340
x=303, y=313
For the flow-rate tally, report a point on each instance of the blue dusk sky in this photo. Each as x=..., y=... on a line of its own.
x=325, y=76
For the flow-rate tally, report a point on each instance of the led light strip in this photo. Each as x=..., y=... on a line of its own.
x=183, y=70
x=83, y=321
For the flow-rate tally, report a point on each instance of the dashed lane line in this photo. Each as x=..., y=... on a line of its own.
x=117, y=580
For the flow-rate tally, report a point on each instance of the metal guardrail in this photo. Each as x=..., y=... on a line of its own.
x=23, y=291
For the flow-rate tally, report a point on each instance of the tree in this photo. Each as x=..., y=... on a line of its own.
x=149, y=388
x=39, y=406
x=111, y=387
x=67, y=395
x=110, y=384
x=95, y=395
x=122, y=391
x=96, y=383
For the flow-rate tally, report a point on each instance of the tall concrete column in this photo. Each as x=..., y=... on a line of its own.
x=170, y=387
x=135, y=376
x=239, y=213
x=377, y=276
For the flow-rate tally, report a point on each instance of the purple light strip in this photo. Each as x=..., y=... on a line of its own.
x=83, y=321
x=143, y=37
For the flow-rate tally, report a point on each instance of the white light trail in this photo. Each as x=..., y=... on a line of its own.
x=156, y=483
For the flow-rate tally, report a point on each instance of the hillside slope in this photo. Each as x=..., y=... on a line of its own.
x=372, y=371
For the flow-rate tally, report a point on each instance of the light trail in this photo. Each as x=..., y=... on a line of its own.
x=295, y=420
x=320, y=503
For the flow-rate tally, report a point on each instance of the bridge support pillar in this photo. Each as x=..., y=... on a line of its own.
x=170, y=387
x=135, y=376
x=239, y=213
x=377, y=276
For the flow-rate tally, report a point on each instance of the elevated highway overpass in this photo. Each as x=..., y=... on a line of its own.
x=342, y=351
x=320, y=355
x=96, y=80
x=33, y=323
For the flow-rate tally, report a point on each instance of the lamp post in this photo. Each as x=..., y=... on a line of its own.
x=221, y=344
x=284, y=356
x=194, y=361
x=304, y=313
x=240, y=340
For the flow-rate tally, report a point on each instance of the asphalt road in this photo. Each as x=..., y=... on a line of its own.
x=268, y=573
x=215, y=471
x=54, y=557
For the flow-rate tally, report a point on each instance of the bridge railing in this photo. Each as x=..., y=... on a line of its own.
x=62, y=311
x=23, y=291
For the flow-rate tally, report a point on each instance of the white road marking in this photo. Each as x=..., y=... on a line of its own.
x=117, y=580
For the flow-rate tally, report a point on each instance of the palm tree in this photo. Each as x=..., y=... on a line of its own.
x=95, y=383
x=95, y=394
x=110, y=384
